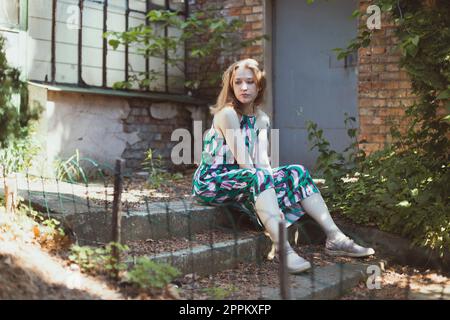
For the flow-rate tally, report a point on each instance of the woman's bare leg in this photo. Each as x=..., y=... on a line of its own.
x=269, y=213
x=337, y=242
x=317, y=209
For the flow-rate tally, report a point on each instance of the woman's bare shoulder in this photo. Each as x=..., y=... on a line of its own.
x=227, y=114
x=262, y=120
x=226, y=118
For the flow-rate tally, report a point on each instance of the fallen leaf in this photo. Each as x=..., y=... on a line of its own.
x=36, y=231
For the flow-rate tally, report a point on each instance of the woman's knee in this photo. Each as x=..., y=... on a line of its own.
x=263, y=178
x=299, y=168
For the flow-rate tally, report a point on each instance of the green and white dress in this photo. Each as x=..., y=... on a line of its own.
x=219, y=180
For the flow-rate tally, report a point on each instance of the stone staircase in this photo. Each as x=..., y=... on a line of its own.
x=91, y=223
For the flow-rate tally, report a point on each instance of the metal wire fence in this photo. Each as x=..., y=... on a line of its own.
x=220, y=254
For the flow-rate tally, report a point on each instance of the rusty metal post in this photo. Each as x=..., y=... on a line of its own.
x=283, y=272
x=117, y=210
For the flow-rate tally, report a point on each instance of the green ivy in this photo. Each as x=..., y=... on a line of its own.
x=403, y=188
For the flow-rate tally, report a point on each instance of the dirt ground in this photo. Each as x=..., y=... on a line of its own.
x=35, y=268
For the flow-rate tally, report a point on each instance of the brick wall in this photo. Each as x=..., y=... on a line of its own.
x=249, y=11
x=384, y=90
x=154, y=133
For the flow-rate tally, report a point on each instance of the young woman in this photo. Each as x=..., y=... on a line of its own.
x=235, y=168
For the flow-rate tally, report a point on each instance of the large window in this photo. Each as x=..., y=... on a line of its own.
x=69, y=47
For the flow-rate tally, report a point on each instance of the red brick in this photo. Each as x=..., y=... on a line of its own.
x=364, y=85
x=385, y=94
x=392, y=67
x=365, y=68
x=390, y=76
x=378, y=67
x=378, y=50
x=404, y=75
x=378, y=138
x=366, y=111
x=234, y=12
x=254, y=17
x=257, y=25
x=405, y=84
x=365, y=103
x=393, y=103
x=257, y=9
x=233, y=3
x=364, y=52
x=393, y=58
x=368, y=94
x=246, y=10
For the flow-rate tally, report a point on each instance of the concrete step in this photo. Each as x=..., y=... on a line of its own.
x=153, y=220
x=91, y=222
x=210, y=259
x=321, y=283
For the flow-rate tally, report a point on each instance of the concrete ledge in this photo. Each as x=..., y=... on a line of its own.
x=156, y=224
x=90, y=222
x=398, y=249
x=206, y=260
x=320, y=283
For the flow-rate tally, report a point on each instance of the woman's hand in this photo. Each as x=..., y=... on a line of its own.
x=262, y=147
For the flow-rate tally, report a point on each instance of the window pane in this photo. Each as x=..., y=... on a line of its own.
x=161, y=3
x=176, y=5
x=9, y=12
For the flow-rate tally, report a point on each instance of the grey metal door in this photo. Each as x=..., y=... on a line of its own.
x=309, y=82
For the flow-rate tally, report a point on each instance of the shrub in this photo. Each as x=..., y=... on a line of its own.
x=148, y=274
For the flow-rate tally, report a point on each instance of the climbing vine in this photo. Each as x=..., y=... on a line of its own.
x=403, y=188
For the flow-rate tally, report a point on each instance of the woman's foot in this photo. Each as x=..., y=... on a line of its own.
x=294, y=263
x=344, y=246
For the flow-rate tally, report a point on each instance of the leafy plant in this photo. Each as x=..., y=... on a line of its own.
x=220, y=293
x=29, y=225
x=400, y=192
x=334, y=165
x=148, y=274
x=72, y=169
x=16, y=117
x=208, y=36
x=98, y=260
x=158, y=176
x=17, y=155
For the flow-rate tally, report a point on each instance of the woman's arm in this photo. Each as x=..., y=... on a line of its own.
x=262, y=147
x=227, y=121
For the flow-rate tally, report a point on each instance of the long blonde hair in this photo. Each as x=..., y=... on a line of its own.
x=227, y=97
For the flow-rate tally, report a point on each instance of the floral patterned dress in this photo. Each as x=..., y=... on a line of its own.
x=219, y=180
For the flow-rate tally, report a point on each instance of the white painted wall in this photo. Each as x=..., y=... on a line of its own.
x=70, y=121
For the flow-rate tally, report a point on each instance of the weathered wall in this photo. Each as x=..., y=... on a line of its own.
x=104, y=128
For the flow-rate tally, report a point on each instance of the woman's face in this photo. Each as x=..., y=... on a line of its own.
x=244, y=85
